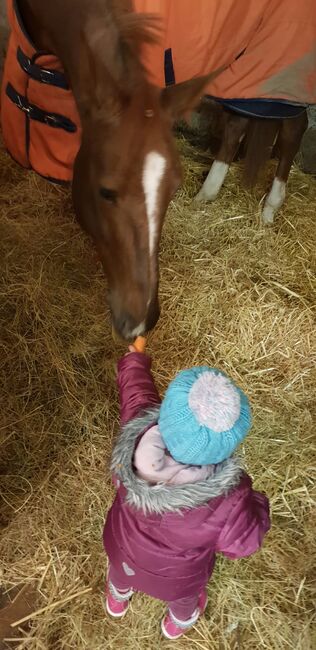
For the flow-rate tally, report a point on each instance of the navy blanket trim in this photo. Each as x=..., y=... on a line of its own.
x=170, y=77
x=265, y=108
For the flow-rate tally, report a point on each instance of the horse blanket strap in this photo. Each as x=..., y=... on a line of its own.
x=34, y=113
x=40, y=122
x=50, y=77
x=170, y=78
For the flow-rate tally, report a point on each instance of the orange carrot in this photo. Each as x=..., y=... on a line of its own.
x=140, y=344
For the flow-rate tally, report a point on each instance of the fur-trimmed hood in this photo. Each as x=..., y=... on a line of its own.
x=162, y=498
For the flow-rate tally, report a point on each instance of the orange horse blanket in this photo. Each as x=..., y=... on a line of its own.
x=267, y=46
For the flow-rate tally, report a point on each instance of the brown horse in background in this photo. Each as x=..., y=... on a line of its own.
x=260, y=138
x=127, y=169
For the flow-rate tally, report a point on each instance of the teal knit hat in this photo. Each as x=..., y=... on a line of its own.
x=203, y=417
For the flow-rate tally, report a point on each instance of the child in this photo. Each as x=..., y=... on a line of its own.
x=181, y=495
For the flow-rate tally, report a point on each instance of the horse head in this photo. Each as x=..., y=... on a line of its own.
x=128, y=168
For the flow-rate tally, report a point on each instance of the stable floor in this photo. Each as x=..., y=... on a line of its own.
x=234, y=295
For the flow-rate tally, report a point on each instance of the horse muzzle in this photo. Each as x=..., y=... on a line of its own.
x=129, y=327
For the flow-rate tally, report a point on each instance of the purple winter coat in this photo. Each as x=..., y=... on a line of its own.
x=163, y=539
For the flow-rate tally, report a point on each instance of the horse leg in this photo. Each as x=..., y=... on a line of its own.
x=234, y=132
x=289, y=140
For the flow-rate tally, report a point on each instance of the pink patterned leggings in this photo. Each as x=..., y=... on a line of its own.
x=182, y=609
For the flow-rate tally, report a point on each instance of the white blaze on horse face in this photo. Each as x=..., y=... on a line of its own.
x=274, y=201
x=213, y=182
x=139, y=330
x=153, y=173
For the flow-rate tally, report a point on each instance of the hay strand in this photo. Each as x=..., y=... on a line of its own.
x=48, y=608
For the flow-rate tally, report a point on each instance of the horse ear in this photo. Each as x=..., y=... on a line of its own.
x=182, y=98
x=98, y=88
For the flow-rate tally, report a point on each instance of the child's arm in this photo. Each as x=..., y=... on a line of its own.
x=136, y=385
x=247, y=523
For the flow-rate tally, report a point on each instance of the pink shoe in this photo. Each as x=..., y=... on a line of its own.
x=117, y=602
x=172, y=628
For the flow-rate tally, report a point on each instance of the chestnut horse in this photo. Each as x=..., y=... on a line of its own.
x=127, y=169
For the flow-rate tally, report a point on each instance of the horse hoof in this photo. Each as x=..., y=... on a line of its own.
x=199, y=198
x=203, y=198
x=268, y=215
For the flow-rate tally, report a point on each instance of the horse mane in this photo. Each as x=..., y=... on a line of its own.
x=135, y=31
x=128, y=32
x=139, y=29
x=112, y=48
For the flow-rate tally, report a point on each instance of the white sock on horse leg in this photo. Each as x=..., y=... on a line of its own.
x=213, y=182
x=274, y=201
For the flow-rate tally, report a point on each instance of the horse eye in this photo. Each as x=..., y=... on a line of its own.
x=108, y=194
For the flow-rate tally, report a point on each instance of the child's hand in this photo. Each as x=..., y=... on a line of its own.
x=139, y=345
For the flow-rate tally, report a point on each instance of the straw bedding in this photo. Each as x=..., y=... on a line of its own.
x=234, y=295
